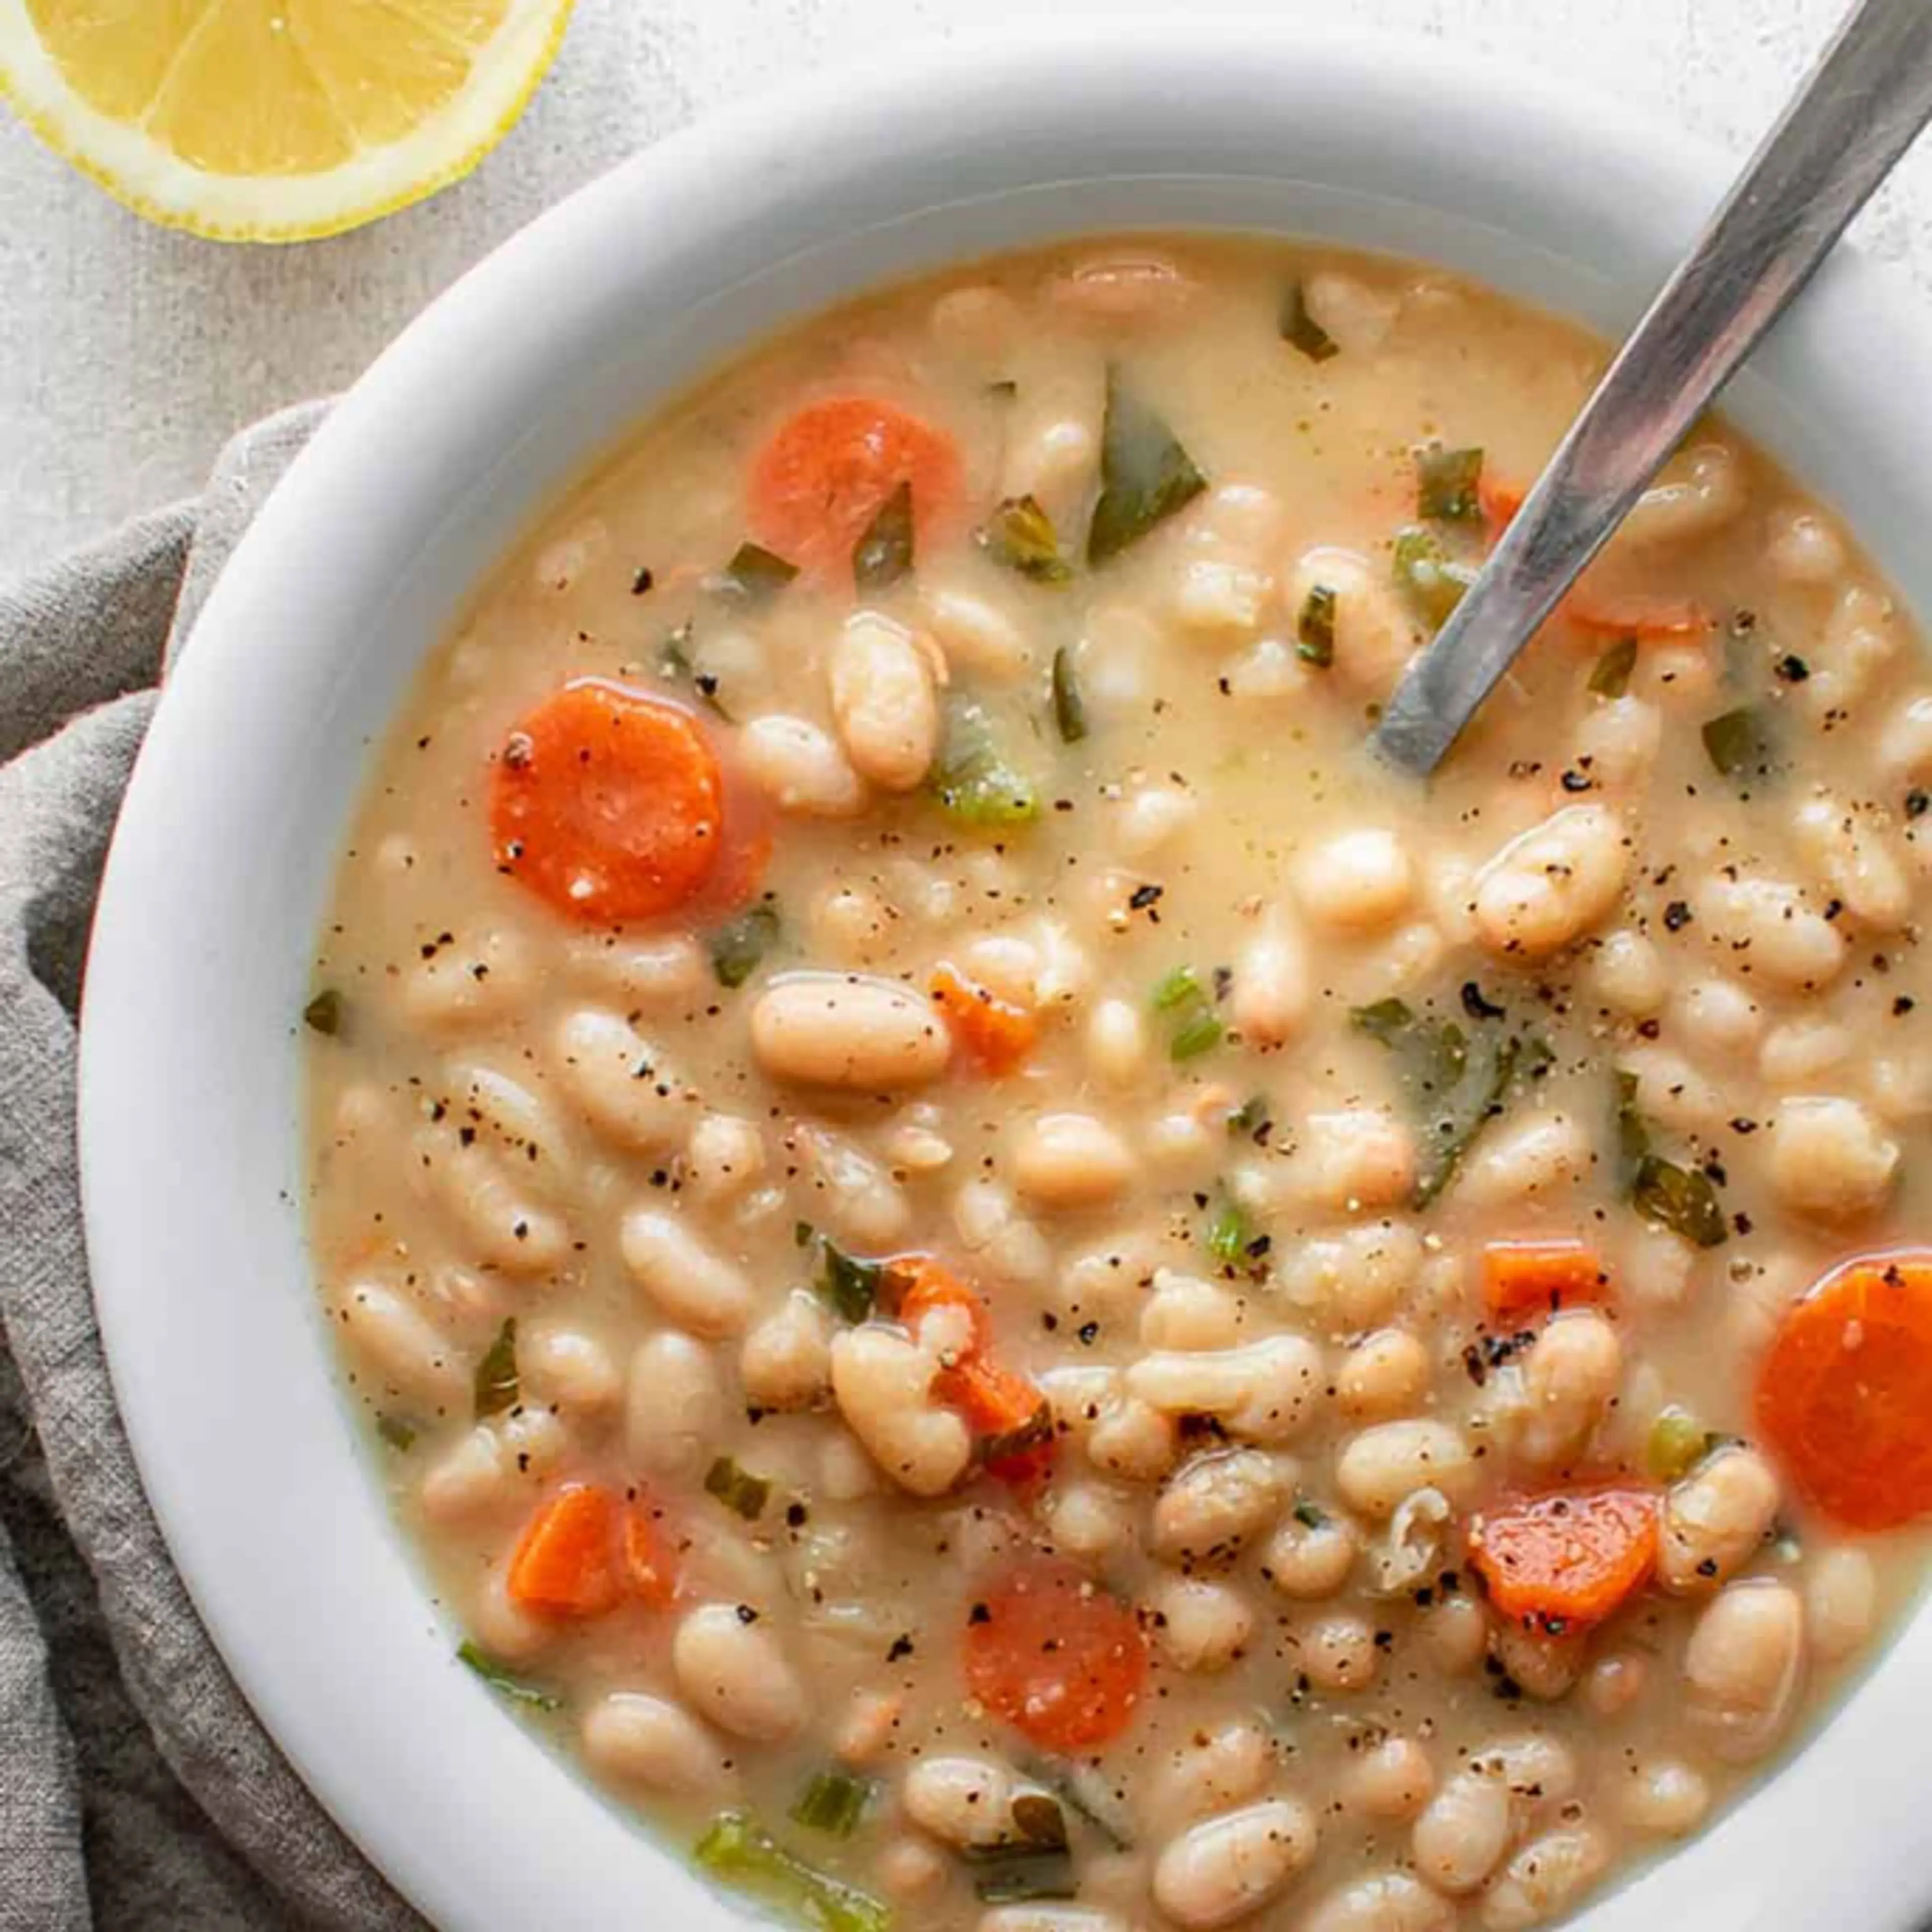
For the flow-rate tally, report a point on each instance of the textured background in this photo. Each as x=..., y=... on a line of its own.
x=127, y=355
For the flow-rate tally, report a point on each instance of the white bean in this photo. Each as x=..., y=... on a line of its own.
x=407, y=1351
x=885, y=701
x=1463, y=1832
x=569, y=1369
x=1840, y=1601
x=1359, y=1159
x=1069, y=1160
x=1528, y=1159
x=963, y=1802
x=1116, y=1043
x=1742, y=1667
x=1905, y=746
x=1391, y=1780
x=1210, y=1770
x=1186, y=1312
x=1358, y=881
x=697, y=1288
x=467, y=1479
x=620, y=1082
x=639, y=1739
x=1380, y=1467
x=1310, y=1555
x=1570, y=1377
x=488, y=1200
x=1829, y=1158
x=883, y=1385
x=1335, y=1651
x=1699, y=491
x=1383, y=1375
x=674, y=1404
x=786, y=1360
x=1848, y=849
x=1767, y=931
x=1618, y=742
x=1354, y=1280
x=1544, y=1664
x=1714, y=1521
x=1628, y=974
x=1265, y=1391
x=725, y=1155
x=836, y=1030
x=1456, y=1633
x=1226, y=1867
x=469, y=983
x=975, y=634
x=654, y=973
x=1085, y=1519
x=1801, y=546
x=1552, y=884
x=1133, y=1440
x=1390, y=1902
x=1200, y=1625
x=1269, y=999
x=734, y=1671
x=1211, y=1508
x=1666, y=1799
x=1219, y=599
x=1548, y=1875
x=800, y=768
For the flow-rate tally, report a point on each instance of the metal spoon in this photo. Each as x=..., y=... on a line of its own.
x=1859, y=109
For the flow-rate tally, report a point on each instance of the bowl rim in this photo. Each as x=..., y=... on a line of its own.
x=345, y=1694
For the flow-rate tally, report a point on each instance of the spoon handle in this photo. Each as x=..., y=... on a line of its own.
x=1858, y=111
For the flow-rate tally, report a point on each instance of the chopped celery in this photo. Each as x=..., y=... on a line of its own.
x=1612, y=676
x=1446, y=482
x=1676, y=1445
x=500, y=1680
x=1145, y=475
x=1300, y=330
x=323, y=1014
x=737, y=1488
x=1315, y=627
x=833, y=1802
x=497, y=1385
x=1742, y=745
x=1229, y=1233
x=754, y=576
x=883, y=554
x=1020, y=534
x=737, y=949
x=1432, y=580
x=973, y=781
x=1069, y=708
x=740, y=1851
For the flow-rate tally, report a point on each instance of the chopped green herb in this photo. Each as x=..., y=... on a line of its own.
x=1455, y=1087
x=1145, y=475
x=1069, y=708
x=1201, y=1034
x=323, y=1014
x=971, y=779
x=1250, y=1117
x=743, y=1852
x=498, y=1386
x=1196, y=1027
x=398, y=1434
x=754, y=576
x=1315, y=629
x=833, y=1802
x=1181, y=987
x=1301, y=329
x=500, y=1680
x=1425, y=575
x=1040, y=1820
x=849, y=1284
x=1310, y=1516
x=1013, y=1874
x=737, y=1488
x=1632, y=1132
x=883, y=554
x=737, y=949
x=1612, y=676
x=1003, y=391
x=1446, y=485
x=1742, y=745
x=801, y=1234
x=1681, y=1198
x=1020, y=534
x=1675, y=1445
x=1229, y=1233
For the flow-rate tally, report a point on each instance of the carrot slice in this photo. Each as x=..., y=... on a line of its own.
x=1050, y=1652
x=817, y=486
x=609, y=804
x=1844, y=1393
x=997, y=1401
x=1522, y=1278
x=997, y=1033
x=924, y=1284
x=565, y=1564
x=650, y=1555
x=1649, y=619
x=1569, y=1558
x=1499, y=502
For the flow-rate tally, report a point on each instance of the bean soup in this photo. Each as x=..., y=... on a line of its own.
x=1017, y=1293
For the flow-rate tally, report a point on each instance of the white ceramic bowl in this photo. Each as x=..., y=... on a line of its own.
x=436, y=461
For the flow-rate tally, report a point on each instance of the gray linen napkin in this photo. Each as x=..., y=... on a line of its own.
x=137, y=1788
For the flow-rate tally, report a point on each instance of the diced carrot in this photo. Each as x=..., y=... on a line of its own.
x=1649, y=619
x=1499, y=502
x=1522, y=1278
x=1567, y=1558
x=609, y=804
x=1845, y=1392
x=565, y=1564
x=1052, y=1653
x=997, y=1401
x=924, y=1284
x=650, y=1555
x=817, y=486
x=997, y=1033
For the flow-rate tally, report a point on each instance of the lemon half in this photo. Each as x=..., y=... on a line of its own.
x=274, y=120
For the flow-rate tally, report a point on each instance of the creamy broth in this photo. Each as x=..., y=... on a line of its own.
x=1197, y=1335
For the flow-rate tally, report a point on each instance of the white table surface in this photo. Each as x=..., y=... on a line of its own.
x=128, y=354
